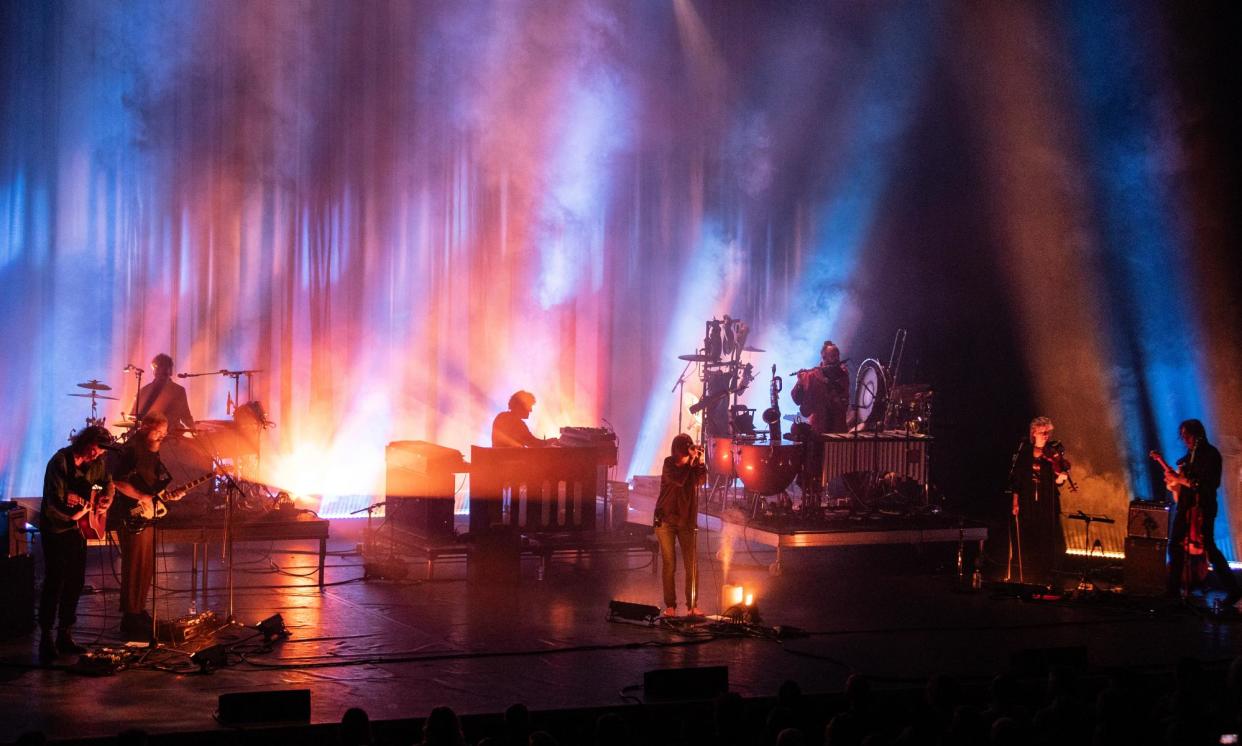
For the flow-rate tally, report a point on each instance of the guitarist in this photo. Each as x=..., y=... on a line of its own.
x=1196, y=484
x=72, y=476
x=140, y=476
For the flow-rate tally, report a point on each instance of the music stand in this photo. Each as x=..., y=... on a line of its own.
x=1087, y=544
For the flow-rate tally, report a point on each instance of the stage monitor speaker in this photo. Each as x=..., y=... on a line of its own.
x=685, y=683
x=1144, y=570
x=1149, y=520
x=281, y=706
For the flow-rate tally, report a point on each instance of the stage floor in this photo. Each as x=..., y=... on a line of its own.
x=400, y=648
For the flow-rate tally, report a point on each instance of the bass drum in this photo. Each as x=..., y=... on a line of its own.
x=766, y=470
x=870, y=393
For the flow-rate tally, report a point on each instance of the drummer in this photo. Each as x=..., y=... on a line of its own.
x=164, y=396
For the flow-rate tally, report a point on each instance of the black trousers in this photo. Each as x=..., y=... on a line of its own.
x=64, y=574
x=1177, y=552
x=137, y=566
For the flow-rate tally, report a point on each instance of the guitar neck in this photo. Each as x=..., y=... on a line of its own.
x=181, y=490
x=1159, y=459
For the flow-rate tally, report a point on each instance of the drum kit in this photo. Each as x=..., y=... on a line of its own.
x=95, y=387
x=765, y=464
x=232, y=443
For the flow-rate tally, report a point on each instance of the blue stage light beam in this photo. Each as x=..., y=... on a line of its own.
x=1152, y=326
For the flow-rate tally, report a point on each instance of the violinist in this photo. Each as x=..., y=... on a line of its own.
x=1039, y=469
x=1195, y=484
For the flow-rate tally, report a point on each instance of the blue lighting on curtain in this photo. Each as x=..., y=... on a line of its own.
x=1131, y=161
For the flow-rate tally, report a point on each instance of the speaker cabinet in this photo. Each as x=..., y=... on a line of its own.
x=1145, y=573
x=17, y=590
x=420, y=486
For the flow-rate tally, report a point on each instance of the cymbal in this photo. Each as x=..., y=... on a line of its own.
x=697, y=358
x=792, y=417
x=753, y=349
x=93, y=395
x=94, y=385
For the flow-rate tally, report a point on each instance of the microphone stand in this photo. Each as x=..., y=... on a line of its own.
x=235, y=375
x=133, y=415
x=234, y=489
x=369, y=544
x=680, y=387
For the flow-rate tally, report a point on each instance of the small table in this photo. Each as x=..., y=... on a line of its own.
x=264, y=530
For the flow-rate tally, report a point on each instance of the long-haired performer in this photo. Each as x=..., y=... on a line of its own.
x=676, y=520
x=73, y=474
x=1197, y=481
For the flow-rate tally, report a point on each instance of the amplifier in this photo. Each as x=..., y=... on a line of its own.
x=17, y=588
x=1144, y=572
x=420, y=487
x=13, y=539
x=1150, y=520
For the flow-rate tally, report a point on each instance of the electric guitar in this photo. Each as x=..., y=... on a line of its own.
x=93, y=525
x=1195, y=548
x=136, y=513
x=1174, y=488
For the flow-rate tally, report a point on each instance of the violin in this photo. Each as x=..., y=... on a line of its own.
x=1054, y=455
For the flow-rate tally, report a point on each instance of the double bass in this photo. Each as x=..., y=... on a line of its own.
x=1187, y=500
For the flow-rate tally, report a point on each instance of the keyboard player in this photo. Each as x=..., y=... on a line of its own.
x=509, y=429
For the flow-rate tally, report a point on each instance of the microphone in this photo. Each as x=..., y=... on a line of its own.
x=183, y=375
x=130, y=369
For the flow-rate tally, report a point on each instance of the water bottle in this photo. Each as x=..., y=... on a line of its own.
x=193, y=606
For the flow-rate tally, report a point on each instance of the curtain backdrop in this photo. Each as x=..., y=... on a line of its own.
x=402, y=212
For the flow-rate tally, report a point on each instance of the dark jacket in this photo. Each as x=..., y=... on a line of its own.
x=678, y=503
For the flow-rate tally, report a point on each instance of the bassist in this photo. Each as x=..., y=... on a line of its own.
x=1196, y=484
x=74, y=476
x=140, y=476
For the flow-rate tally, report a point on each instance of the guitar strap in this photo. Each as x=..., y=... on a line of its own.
x=157, y=388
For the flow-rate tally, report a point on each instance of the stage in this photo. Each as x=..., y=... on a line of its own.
x=399, y=648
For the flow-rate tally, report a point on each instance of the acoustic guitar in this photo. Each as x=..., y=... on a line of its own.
x=93, y=525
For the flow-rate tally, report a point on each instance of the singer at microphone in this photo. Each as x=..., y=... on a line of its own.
x=164, y=395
